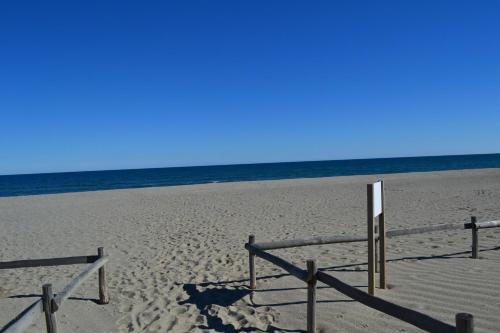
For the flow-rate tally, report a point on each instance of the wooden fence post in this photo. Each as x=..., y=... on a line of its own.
x=311, y=295
x=475, y=238
x=47, y=300
x=382, y=243
x=103, y=287
x=251, y=261
x=464, y=323
x=377, y=263
x=371, y=241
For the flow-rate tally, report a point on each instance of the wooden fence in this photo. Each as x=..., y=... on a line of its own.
x=376, y=238
x=463, y=321
x=49, y=303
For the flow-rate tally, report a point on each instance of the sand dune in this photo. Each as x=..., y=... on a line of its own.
x=178, y=262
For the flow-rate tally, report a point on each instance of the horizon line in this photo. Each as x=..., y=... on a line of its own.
x=236, y=164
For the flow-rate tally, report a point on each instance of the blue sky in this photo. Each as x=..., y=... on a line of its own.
x=87, y=85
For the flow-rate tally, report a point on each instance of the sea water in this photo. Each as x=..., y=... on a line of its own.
x=29, y=184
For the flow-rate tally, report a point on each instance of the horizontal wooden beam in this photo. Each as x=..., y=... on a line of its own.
x=48, y=262
x=410, y=316
x=425, y=229
x=25, y=319
x=321, y=240
x=290, y=268
x=310, y=241
x=76, y=282
x=489, y=224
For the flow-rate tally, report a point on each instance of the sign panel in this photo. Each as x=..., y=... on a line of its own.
x=377, y=199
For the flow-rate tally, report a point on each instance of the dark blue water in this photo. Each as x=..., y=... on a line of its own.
x=15, y=185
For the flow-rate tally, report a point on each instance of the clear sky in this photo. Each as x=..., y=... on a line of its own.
x=88, y=85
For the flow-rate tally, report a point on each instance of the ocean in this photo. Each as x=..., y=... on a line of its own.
x=31, y=184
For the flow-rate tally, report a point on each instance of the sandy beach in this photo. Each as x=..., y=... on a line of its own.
x=178, y=262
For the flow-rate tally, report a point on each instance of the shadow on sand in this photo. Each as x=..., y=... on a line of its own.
x=96, y=301
x=223, y=297
x=217, y=293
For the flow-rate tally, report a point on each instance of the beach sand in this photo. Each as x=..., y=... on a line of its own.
x=178, y=262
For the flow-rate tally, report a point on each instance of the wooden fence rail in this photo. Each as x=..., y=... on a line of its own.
x=76, y=282
x=464, y=322
x=476, y=226
x=283, y=244
x=48, y=262
x=410, y=316
x=290, y=268
x=376, y=239
x=322, y=240
x=50, y=303
x=489, y=224
x=25, y=319
x=430, y=228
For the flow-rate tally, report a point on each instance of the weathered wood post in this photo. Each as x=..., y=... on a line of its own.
x=475, y=238
x=371, y=241
x=251, y=261
x=382, y=241
x=103, y=287
x=47, y=300
x=377, y=264
x=311, y=296
x=464, y=323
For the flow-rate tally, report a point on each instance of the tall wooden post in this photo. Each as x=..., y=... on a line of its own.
x=475, y=238
x=377, y=264
x=251, y=261
x=50, y=317
x=103, y=287
x=464, y=323
x=371, y=241
x=382, y=243
x=311, y=296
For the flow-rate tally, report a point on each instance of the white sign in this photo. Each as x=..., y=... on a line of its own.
x=377, y=199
